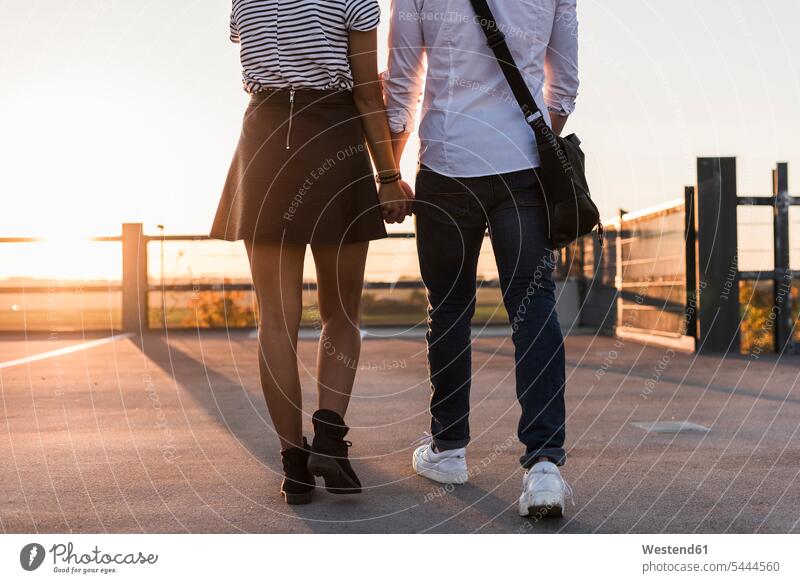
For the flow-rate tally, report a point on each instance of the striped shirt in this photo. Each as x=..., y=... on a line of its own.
x=298, y=44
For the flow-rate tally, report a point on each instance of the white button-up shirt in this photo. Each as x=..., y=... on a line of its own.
x=471, y=124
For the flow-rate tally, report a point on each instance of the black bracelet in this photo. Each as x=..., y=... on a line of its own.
x=388, y=179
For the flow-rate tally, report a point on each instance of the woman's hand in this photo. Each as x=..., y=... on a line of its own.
x=394, y=201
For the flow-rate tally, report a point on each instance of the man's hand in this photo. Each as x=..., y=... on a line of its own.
x=409, y=192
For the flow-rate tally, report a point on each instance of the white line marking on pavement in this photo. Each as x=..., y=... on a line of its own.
x=671, y=427
x=65, y=350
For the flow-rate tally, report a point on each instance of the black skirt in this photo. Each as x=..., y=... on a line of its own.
x=301, y=173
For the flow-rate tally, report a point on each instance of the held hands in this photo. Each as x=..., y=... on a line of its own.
x=396, y=200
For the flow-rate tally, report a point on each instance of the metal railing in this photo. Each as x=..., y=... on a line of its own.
x=672, y=271
x=135, y=293
x=782, y=274
x=139, y=289
x=636, y=284
x=669, y=272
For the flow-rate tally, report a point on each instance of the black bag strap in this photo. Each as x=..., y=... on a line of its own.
x=497, y=42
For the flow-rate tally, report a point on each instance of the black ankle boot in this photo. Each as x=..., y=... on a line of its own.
x=329, y=454
x=298, y=483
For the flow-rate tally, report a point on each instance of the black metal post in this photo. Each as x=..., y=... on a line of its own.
x=690, y=235
x=715, y=205
x=782, y=283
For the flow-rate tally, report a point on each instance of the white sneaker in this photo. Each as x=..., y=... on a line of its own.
x=543, y=492
x=447, y=467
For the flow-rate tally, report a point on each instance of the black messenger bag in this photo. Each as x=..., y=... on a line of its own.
x=570, y=210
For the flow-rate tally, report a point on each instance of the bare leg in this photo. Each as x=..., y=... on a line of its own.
x=277, y=271
x=340, y=279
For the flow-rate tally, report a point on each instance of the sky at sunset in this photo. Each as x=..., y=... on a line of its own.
x=114, y=110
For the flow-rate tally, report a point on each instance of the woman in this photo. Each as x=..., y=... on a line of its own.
x=301, y=175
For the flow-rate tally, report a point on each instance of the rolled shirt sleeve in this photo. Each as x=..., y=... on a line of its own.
x=402, y=80
x=561, y=60
x=362, y=15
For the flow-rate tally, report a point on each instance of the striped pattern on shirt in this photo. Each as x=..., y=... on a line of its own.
x=298, y=44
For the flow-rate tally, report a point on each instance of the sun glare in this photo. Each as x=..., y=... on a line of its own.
x=62, y=259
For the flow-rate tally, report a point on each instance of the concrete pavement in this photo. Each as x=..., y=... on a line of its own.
x=170, y=434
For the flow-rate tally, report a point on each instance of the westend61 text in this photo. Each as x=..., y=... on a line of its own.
x=670, y=550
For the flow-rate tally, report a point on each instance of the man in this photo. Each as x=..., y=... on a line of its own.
x=477, y=171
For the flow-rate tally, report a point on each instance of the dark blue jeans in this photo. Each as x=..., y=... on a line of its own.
x=452, y=215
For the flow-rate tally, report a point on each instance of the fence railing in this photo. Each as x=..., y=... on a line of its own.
x=781, y=275
x=669, y=273
x=672, y=272
x=636, y=283
x=135, y=293
x=201, y=289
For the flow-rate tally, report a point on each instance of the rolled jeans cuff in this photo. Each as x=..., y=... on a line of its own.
x=445, y=444
x=557, y=455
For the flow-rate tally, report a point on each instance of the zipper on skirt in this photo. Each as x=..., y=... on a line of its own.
x=291, y=114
